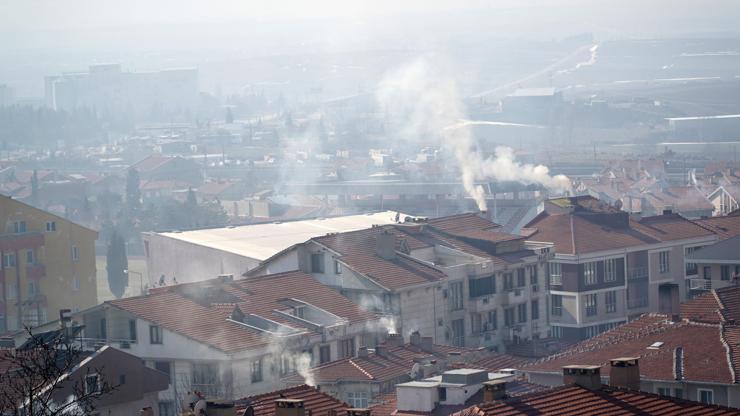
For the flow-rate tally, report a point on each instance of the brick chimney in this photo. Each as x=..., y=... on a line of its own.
x=415, y=339
x=358, y=412
x=588, y=376
x=494, y=390
x=289, y=407
x=394, y=340
x=385, y=245
x=362, y=352
x=625, y=373
x=427, y=344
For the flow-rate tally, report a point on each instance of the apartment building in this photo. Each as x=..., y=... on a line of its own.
x=456, y=279
x=48, y=264
x=714, y=267
x=609, y=267
x=228, y=338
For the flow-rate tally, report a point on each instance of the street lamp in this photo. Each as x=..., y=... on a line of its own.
x=141, y=279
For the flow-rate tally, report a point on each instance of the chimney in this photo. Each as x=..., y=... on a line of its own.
x=65, y=317
x=289, y=407
x=381, y=351
x=587, y=376
x=625, y=373
x=394, y=340
x=385, y=245
x=362, y=352
x=415, y=339
x=668, y=210
x=427, y=344
x=494, y=390
x=358, y=412
x=146, y=411
x=220, y=408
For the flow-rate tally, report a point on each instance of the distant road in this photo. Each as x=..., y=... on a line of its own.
x=565, y=61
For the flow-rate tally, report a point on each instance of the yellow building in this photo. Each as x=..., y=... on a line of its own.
x=48, y=264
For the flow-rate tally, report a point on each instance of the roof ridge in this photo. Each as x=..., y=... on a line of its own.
x=362, y=370
x=728, y=352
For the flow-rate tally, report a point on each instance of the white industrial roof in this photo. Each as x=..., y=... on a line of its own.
x=261, y=241
x=704, y=117
x=533, y=92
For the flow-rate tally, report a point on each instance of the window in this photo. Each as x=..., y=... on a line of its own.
x=30, y=259
x=706, y=396
x=75, y=253
x=19, y=227
x=442, y=394
x=663, y=391
x=257, y=370
x=509, y=317
x=31, y=289
x=475, y=323
x=691, y=268
x=522, y=312
x=324, y=354
x=535, y=309
x=610, y=270
x=508, y=281
x=589, y=273
x=122, y=379
x=556, y=331
x=557, y=305
x=663, y=261
x=456, y=296
x=132, y=329
x=317, y=263
x=165, y=367
x=357, y=399
x=708, y=272
x=482, y=286
x=51, y=226
x=521, y=278
x=678, y=393
x=532, y=274
x=12, y=291
x=9, y=260
x=556, y=276
x=591, y=308
x=155, y=334
x=346, y=348
x=492, y=320
x=286, y=364
x=610, y=300
x=337, y=267
x=299, y=311
x=458, y=332
x=92, y=384
x=75, y=283
x=205, y=375
x=725, y=272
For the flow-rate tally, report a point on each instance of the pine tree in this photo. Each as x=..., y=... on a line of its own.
x=35, y=188
x=133, y=193
x=117, y=264
x=229, y=116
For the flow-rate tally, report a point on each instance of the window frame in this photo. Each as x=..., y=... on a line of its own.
x=611, y=307
x=51, y=226
x=590, y=273
x=75, y=253
x=699, y=395
x=610, y=270
x=521, y=313
x=590, y=304
x=664, y=261
x=555, y=271
x=97, y=384
x=317, y=263
x=556, y=309
x=535, y=306
x=156, y=335
x=256, y=373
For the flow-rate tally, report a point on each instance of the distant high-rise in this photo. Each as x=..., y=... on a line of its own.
x=153, y=96
x=7, y=96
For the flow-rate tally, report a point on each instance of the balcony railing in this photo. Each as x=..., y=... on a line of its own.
x=556, y=280
x=700, y=284
x=637, y=303
x=636, y=273
x=95, y=343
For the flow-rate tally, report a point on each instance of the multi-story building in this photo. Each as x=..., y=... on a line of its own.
x=457, y=279
x=609, y=267
x=48, y=264
x=228, y=338
x=715, y=266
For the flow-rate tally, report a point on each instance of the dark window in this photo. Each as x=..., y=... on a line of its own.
x=557, y=305
x=166, y=409
x=317, y=263
x=324, y=354
x=591, y=305
x=347, y=348
x=165, y=367
x=725, y=272
x=29, y=257
x=122, y=379
x=678, y=393
x=442, y=393
x=522, y=312
x=533, y=275
x=92, y=384
x=521, y=278
x=483, y=286
x=337, y=267
x=508, y=281
x=509, y=317
x=458, y=332
x=155, y=334
x=132, y=329
x=707, y=272
x=19, y=227
x=257, y=370
x=103, y=329
x=535, y=309
x=492, y=320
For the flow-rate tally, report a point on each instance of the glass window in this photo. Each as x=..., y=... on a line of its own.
x=75, y=253
x=522, y=312
x=557, y=305
x=317, y=263
x=535, y=309
x=708, y=272
x=347, y=348
x=458, y=332
x=706, y=396
x=165, y=367
x=691, y=268
x=357, y=399
x=155, y=334
x=337, y=267
x=556, y=276
x=591, y=307
x=663, y=391
x=508, y=281
x=556, y=331
x=521, y=278
x=533, y=274
x=19, y=227
x=678, y=393
x=589, y=273
x=9, y=260
x=30, y=259
x=12, y=291
x=725, y=272
x=456, y=296
x=75, y=283
x=166, y=408
x=509, y=316
x=610, y=300
x=51, y=226
x=476, y=322
x=324, y=354
x=610, y=270
x=664, y=261
x=132, y=329
x=257, y=370
x=492, y=320
x=92, y=384
x=483, y=286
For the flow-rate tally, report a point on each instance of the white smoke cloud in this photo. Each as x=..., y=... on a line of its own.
x=430, y=110
x=281, y=351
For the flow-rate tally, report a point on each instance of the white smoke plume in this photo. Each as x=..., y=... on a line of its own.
x=431, y=111
x=282, y=350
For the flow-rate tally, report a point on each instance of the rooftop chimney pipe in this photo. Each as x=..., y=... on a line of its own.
x=625, y=373
x=289, y=407
x=494, y=390
x=587, y=376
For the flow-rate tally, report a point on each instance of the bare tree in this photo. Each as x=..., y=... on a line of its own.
x=45, y=377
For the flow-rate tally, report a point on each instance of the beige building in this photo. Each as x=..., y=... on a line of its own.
x=48, y=264
x=714, y=267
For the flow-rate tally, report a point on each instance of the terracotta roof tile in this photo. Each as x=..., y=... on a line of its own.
x=724, y=227
x=315, y=401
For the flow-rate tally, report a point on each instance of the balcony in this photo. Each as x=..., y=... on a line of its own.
x=556, y=280
x=35, y=271
x=95, y=343
x=700, y=284
x=637, y=303
x=637, y=273
x=11, y=242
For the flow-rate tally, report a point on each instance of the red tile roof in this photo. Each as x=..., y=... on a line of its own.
x=151, y=163
x=705, y=361
x=579, y=401
x=315, y=402
x=715, y=306
x=206, y=321
x=725, y=227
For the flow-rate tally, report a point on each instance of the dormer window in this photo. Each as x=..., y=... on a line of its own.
x=298, y=311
